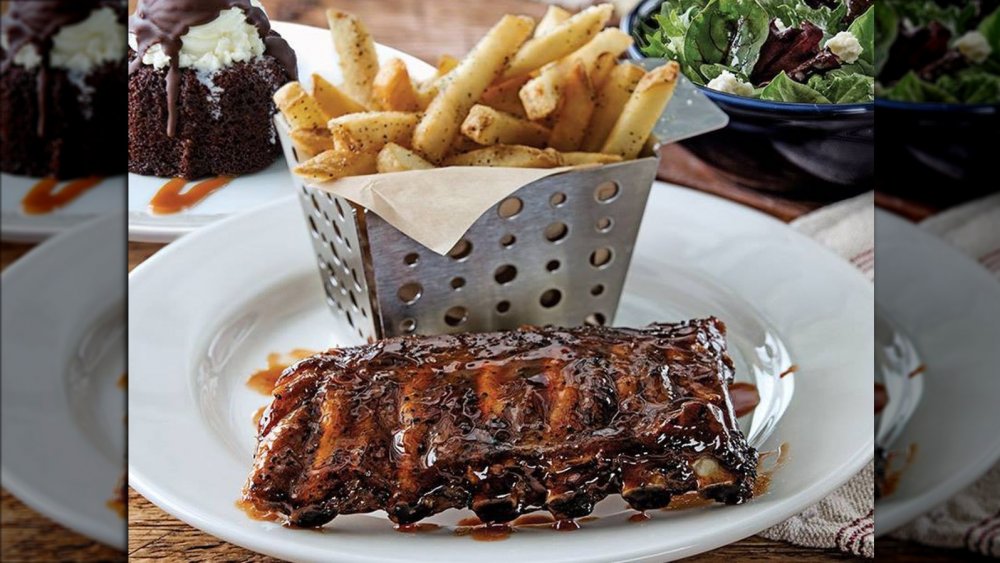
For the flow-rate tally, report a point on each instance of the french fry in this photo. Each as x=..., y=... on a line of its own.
x=562, y=40
x=299, y=108
x=356, y=51
x=437, y=130
x=394, y=158
x=574, y=115
x=428, y=89
x=504, y=96
x=372, y=130
x=579, y=158
x=554, y=16
x=332, y=100
x=511, y=156
x=334, y=164
x=611, y=99
x=641, y=111
x=310, y=142
x=488, y=126
x=392, y=89
x=540, y=95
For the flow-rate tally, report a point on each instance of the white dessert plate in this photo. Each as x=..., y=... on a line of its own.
x=18, y=226
x=315, y=54
x=63, y=408
x=949, y=305
x=204, y=313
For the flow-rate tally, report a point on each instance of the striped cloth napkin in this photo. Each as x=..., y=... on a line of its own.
x=844, y=519
x=970, y=520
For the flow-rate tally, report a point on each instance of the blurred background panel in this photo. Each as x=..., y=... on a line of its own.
x=62, y=157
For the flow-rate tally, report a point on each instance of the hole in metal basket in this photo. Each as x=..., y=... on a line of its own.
x=557, y=199
x=505, y=274
x=507, y=240
x=347, y=243
x=607, y=192
x=410, y=293
x=595, y=319
x=350, y=321
x=552, y=266
x=503, y=307
x=510, y=207
x=333, y=278
x=357, y=282
x=340, y=210
x=407, y=325
x=551, y=298
x=354, y=300
x=312, y=226
x=336, y=230
x=456, y=316
x=597, y=290
x=601, y=257
x=411, y=259
x=604, y=224
x=461, y=250
x=314, y=202
x=458, y=283
x=556, y=232
x=333, y=251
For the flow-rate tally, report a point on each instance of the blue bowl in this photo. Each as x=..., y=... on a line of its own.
x=814, y=151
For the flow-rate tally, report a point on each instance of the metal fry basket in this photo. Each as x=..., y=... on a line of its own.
x=555, y=252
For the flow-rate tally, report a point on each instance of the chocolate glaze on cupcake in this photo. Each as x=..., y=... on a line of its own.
x=62, y=88
x=201, y=77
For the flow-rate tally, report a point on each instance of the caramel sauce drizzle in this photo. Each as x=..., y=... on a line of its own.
x=893, y=475
x=44, y=197
x=173, y=198
x=417, y=528
x=263, y=381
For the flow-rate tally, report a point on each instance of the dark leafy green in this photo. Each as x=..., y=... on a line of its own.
x=784, y=89
x=793, y=13
x=726, y=32
x=843, y=87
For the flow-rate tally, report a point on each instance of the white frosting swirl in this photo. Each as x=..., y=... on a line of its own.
x=81, y=46
x=219, y=43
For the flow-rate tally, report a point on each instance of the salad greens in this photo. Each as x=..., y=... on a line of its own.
x=773, y=50
x=938, y=51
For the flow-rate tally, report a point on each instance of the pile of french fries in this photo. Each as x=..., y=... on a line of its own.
x=538, y=96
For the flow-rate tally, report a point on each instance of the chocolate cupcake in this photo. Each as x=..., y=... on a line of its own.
x=201, y=76
x=62, y=88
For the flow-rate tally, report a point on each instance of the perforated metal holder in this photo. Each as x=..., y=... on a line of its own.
x=555, y=252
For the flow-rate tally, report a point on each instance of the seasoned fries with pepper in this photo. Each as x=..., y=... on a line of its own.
x=543, y=96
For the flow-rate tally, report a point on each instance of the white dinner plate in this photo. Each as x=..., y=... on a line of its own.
x=205, y=312
x=949, y=305
x=17, y=226
x=315, y=52
x=63, y=409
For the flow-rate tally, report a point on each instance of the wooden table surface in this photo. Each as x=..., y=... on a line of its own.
x=426, y=29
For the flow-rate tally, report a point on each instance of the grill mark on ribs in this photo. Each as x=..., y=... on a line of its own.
x=505, y=424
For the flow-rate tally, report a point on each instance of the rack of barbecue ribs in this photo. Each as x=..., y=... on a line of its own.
x=503, y=423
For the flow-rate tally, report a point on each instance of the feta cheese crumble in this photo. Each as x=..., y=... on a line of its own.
x=845, y=46
x=974, y=46
x=728, y=83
